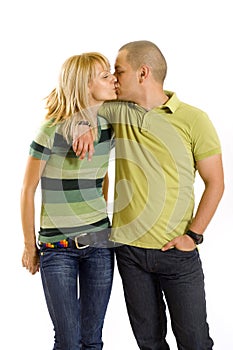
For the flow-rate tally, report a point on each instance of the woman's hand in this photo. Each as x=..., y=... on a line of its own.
x=30, y=259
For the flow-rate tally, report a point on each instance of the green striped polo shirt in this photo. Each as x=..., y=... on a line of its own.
x=156, y=154
x=72, y=196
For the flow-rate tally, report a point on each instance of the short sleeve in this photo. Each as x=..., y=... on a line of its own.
x=205, y=141
x=41, y=146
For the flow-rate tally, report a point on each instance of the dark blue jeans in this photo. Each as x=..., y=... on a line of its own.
x=77, y=286
x=149, y=275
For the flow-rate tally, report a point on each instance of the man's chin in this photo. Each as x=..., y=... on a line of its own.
x=121, y=98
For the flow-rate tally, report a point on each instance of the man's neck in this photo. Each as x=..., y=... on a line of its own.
x=154, y=102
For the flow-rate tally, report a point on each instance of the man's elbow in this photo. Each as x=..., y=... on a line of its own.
x=222, y=189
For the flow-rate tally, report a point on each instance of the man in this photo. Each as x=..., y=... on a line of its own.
x=160, y=143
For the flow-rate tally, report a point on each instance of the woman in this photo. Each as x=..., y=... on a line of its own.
x=74, y=225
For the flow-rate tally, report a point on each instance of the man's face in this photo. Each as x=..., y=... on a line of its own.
x=127, y=82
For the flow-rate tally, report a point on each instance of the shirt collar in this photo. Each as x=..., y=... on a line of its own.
x=172, y=103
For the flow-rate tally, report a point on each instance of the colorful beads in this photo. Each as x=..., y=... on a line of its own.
x=61, y=244
x=49, y=245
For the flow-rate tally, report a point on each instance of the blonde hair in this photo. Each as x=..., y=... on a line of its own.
x=69, y=102
x=145, y=52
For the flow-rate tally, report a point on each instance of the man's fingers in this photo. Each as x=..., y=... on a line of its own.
x=78, y=147
x=75, y=146
x=84, y=145
x=91, y=152
x=168, y=246
x=83, y=151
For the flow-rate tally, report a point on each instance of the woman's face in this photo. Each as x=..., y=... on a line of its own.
x=102, y=87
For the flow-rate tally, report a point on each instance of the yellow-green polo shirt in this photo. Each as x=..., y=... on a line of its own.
x=156, y=153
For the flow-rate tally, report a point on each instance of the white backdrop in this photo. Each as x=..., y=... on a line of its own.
x=36, y=37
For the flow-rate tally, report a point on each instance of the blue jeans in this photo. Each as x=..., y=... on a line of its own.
x=67, y=273
x=149, y=275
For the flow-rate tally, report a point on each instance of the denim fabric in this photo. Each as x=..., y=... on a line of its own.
x=77, y=286
x=149, y=275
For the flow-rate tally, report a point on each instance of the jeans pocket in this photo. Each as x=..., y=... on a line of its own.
x=186, y=257
x=185, y=251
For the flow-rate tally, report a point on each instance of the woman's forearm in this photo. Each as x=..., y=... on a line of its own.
x=28, y=216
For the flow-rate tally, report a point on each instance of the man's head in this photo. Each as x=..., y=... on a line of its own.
x=137, y=63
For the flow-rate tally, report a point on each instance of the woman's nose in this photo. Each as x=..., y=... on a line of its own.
x=114, y=78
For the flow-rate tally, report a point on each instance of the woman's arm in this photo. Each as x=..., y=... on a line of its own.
x=34, y=169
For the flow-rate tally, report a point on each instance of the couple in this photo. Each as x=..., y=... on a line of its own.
x=160, y=142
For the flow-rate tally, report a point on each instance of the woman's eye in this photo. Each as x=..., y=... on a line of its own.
x=106, y=75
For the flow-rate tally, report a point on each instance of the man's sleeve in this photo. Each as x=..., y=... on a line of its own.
x=205, y=140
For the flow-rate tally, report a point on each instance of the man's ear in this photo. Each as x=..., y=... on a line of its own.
x=143, y=73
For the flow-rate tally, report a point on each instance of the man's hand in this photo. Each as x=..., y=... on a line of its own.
x=183, y=243
x=83, y=142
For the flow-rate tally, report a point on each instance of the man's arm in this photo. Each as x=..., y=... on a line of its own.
x=106, y=186
x=211, y=172
x=83, y=140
